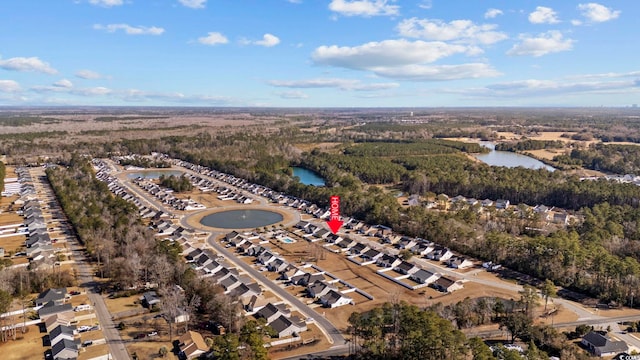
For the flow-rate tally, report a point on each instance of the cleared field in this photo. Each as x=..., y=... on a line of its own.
x=26, y=346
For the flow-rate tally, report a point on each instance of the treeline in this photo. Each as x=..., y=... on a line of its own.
x=405, y=148
x=129, y=255
x=143, y=162
x=26, y=120
x=617, y=159
x=403, y=331
x=127, y=118
x=176, y=183
x=3, y=174
x=530, y=145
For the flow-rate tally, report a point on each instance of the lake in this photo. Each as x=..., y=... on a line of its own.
x=509, y=159
x=308, y=177
x=153, y=174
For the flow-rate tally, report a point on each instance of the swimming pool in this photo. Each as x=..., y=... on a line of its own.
x=287, y=240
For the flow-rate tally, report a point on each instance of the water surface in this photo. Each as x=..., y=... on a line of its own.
x=241, y=219
x=308, y=177
x=509, y=159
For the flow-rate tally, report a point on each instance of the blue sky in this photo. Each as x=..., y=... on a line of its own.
x=319, y=53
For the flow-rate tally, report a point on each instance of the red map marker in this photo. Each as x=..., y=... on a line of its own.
x=334, y=219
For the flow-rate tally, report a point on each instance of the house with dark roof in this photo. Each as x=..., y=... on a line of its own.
x=406, y=268
x=424, y=277
x=61, y=332
x=334, y=299
x=459, y=262
x=270, y=312
x=446, y=284
x=318, y=289
x=371, y=255
x=601, y=345
x=65, y=349
x=388, y=261
x=277, y=265
x=358, y=248
x=440, y=254
x=150, y=298
x=51, y=308
x=288, y=326
x=55, y=295
x=306, y=279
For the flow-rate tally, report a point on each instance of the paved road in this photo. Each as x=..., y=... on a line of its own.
x=111, y=334
x=85, y=279
x=336, y=337
x=600, y=322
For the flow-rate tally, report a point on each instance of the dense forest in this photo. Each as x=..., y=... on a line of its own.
x=402, y=331
x=128, y=254
x=176, y=183
x=610, y=158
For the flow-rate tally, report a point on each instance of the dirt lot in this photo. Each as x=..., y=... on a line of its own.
x=382, y=289
x=26, y=346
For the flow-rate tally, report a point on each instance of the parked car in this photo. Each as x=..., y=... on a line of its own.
x=141, y=336
x=153, y=333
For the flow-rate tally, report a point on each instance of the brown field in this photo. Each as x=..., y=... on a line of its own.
x=13, y=243
x=123, y=304
x=382, y=289
x=26, y=346
x=92, y=351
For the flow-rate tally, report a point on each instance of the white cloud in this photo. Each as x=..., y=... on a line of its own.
x=295, y=1
x=437, y=72
x=363, y=7
x=130, y=30
x=268, y=40
x=342, y=84
x=576, y=22
x=492, y=13
x=543, y=44
x=292, y=95
x=596, y=13
x=88, y=74
x=404, y=60
x=462, y=30
x=30, y=64
x=425, y=4
x=213, y=38
x=194, y=4
x=64, y=83
x=543, y=15
x=106, y=3
x=92, y=91
x=385, y=53
x=9, y=86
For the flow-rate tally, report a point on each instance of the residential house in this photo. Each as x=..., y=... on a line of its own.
x=271, y=312
x=288, y=326
x=388, y=261
x=55, y=295
x=65, y=318
x=51, y=308
x=61, y=332
x=277, y=265
x=459, y=262
x=446, y=284
x=502, y=204
x=290, y=272
x=601, y=345
x=192, y=345
x=65, y=349
x=371, y=255
x=406, y=268
x=334, y=299
x=149, y=299
x=440, y=254
x=318, y=289
x=424, y=277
